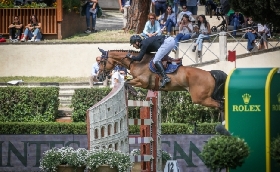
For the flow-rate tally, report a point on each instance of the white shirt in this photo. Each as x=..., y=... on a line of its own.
x=180, y=15
x=203, y=29
x=95, y=69
x=118, y=76
x=185, y=30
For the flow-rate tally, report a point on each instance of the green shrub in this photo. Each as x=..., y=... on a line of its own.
x=275, y=149
x=222, y=152
x=80, y=128
x=84, y=98
x=42, y=128
x=22, y=104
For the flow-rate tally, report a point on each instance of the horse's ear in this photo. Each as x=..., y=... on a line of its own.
x=102, y=51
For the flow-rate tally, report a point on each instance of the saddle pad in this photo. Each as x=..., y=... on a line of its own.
x=171, y=67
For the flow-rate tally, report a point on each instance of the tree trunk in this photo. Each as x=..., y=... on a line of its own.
x=138, y=15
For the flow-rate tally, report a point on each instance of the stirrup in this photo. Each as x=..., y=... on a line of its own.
x=164, y=82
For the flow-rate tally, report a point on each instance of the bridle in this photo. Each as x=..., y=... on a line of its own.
x=104, y=61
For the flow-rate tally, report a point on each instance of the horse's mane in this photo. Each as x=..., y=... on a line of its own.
x=131, y=51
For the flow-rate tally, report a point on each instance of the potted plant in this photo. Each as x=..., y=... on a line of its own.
x=165, y=156
x=275, y=149
x=108, y=160
x=223, y=151
x=64, y=159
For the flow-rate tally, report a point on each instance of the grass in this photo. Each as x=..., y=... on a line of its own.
x=101, y=36
x=43, y=79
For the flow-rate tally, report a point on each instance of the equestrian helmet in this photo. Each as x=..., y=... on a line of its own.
x=134, y=39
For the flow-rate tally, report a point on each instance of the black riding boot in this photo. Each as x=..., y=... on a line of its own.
x=165, y=78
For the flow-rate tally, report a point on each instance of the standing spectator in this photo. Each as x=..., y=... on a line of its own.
x=180, y=15
x=175, y=5
x=168, y=20
x=91, y=11
x=15, y=30
x=236, y=20
x=185, y=31
x=94, y=72
x=124, y=7
x=204, y=29
x=152, y=27
x=160, y=6
x=32, y=30
x=183, y=2
x=192, y=6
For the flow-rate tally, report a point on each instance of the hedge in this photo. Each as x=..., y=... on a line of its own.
x=22, y=104
x=84, y=98
x=177, y=106
x=80, y=128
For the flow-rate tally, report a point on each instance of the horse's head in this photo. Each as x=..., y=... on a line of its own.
x=106, y=65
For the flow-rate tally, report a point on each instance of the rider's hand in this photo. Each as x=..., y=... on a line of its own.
x=128, y=55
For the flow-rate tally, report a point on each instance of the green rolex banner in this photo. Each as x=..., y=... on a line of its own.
x=251, y=95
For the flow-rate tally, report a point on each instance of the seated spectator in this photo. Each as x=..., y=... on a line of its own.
x=251, y=34
x=236, y=20
x=32, y=30
x=168, y=20
x=152, y=27
x=94, y=72
x=264, y=32
x=184, y=11
x=204, y=30
x=15, y=30
x=185, y=31
x=118, y=75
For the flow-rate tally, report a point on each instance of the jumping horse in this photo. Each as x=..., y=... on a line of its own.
x=205, y=87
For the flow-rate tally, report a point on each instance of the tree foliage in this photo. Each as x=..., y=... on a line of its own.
x=260, y=10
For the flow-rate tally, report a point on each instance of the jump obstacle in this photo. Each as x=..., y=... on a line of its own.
x=107, y=126
x=252, y=112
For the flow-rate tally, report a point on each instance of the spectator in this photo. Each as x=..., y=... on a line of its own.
x=168, y=20
x=94, y=72
x=174, y=4
x=236, y=20
x=91, y=11
x=32, y=30
x=182, y=3
x=264, y=32
x=124, y=7
x=15, y=30
x=152, y=27
x=185, y=30
x=251, y=34
x=118, y=75
x=204, y=29
x=160, y=6
x=184, y=11
x=192, y=6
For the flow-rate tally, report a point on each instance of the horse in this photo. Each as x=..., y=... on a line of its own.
x=205, y=88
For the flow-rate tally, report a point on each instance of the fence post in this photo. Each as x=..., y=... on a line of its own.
x=223, y=46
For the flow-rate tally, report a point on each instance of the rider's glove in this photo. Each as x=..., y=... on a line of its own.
x=128, y=55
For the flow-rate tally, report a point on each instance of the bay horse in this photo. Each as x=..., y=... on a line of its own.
x=202, y=85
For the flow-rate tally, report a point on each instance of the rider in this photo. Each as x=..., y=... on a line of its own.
x=160, y=44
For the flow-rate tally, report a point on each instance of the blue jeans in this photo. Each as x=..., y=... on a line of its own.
x=180, y=37
x=93, y=16
x=30, y=34
x=192, y=9
x=175, y=6
x=200, y=39
x=169, y=24
x=251, y=38
x=160, y=8
x=235, y=23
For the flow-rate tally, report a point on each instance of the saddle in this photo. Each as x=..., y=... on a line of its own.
x=168, y=60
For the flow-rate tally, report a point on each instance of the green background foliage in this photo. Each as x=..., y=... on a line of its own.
x=275, y=149
x=176, y=106
x=29, y=104
x=80, y=128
